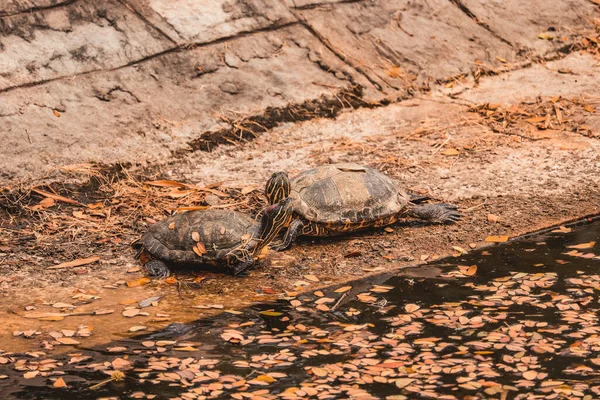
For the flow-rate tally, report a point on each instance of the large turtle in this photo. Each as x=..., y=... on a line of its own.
x=213, y=237
x=340, y=198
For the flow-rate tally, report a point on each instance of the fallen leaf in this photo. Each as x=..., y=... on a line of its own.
x=450, y=152
x=57, y=197
x=195, y=236
x=172, y=225
x=403, y=382
x=67, y=341
x=138, y=282
x=343, y=289
x=501, y=59
x=319, y=371
x=271, y=313
x=31, y=374
x=410, y=308
x=581, y=246
x=265, y=378
x=165, y=183
x=63, y=305
x=589, y=108
x=132, y=312
x=137, y=328
x=496, y=239
x=121, y=364
x=545, y=36
x=60, y=383
x=76, y=263
x=471, y=270
x=56, y=113
x=311, y=278
x=493, y=218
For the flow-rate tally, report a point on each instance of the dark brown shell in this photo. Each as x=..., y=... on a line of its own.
x=219, y=231
x=338, y=193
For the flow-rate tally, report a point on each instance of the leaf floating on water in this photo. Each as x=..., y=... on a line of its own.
x=343, y=289
x=496, y=239
x=403, y=382
x=271, y=313
x=320, y=372
x=265, y=378
x=59, y=383
x=410, y=308
x=581, y=246
x=121, y=364
x=31, y=374
x=530, y=375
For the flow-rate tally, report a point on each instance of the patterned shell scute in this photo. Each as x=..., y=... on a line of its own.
x=340, y=192
x=219, y=231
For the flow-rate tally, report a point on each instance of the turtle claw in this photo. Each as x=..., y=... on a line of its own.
x=157, y=269
x=442, y=213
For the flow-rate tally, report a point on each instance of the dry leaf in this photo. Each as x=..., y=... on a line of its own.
x=60, y=383
x=493, y=218
x=56, y=113
x=311, y=278
x=132, y=312
x=496, y=239
x=343, y=289
x=450, y=152
x=57, y=197
x=195, y=236
x=172, y=225
x=471, y=270
x=403, y=382
x=76, y=263
x=502, y=60
x=589, y=108
x=67, y=340
x=410, y=308
x=138, y=282
x=201, y=247
x=545, y=36
x=581, y=246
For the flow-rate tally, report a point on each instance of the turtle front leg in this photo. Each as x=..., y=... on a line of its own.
x=157, y=269
x=292, y=233
x=242, y=266
x=442, y=213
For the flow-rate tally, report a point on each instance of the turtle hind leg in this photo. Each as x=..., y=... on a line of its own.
x=442, y=213
x=157, y=269
x=290, y=236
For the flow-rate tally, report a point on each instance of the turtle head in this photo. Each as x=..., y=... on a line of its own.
x=278, y=187
x=275, y=217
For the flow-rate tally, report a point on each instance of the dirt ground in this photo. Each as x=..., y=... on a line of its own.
x=503, y=123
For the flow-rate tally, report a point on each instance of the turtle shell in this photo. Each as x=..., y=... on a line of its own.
x=338, y=193
x=218, y=231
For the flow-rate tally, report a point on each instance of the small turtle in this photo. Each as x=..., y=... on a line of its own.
x=213, y=237
x=341, y=198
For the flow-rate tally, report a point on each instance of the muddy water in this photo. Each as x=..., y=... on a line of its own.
x=521, y=324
